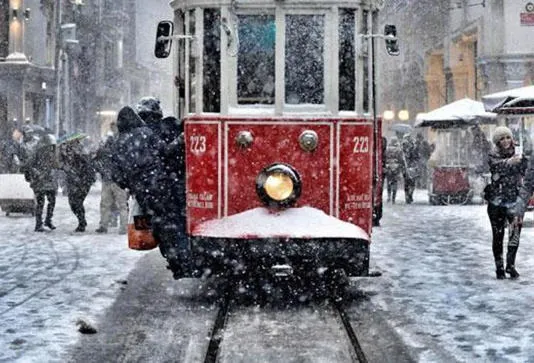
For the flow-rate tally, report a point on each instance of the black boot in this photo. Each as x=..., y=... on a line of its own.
x=510, y=269
x=510, y=262
x=499, y=269
x=48, y=223
x=38, y=223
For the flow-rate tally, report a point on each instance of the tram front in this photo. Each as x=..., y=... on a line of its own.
x=281, y=161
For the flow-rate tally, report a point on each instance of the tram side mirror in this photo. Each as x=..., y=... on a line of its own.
x=392, y=43
x=164, y=39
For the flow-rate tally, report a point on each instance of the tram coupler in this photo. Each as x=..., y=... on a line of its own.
x=283, y=270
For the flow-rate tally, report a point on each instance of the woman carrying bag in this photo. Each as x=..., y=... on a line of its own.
x=507, y=171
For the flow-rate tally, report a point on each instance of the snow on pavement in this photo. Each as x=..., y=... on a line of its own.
x=439, y=289
x=50, y=280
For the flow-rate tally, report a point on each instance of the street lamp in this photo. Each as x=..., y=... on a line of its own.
x=388, y=115
x=404, y=115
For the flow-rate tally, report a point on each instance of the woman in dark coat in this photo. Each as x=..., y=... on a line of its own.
x=507, y=170
x=79, y=174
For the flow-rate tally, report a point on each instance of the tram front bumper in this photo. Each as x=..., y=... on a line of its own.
x=255, y=255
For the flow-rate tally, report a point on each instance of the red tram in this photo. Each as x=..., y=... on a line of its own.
x=283, y=168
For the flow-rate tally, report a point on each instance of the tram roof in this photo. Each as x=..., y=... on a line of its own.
x=181, y=4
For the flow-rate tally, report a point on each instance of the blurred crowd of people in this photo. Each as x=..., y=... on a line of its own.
x=411, y=160
x=405, y=157
x=142, y=156
x=70, y=162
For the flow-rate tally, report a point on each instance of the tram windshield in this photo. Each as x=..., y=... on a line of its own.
x=255, y=60
x=242, y=60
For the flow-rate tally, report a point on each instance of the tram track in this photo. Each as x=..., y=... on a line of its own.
x=331, y=308
x=343, y=316
x=218, y=331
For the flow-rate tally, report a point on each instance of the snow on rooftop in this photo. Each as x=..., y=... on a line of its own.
x=304, y=222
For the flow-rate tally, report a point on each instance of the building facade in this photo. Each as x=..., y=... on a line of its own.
x=455, y=49
x=70, y=65
x=27, y=76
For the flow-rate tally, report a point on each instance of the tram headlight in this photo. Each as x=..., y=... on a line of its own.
x=278, y=185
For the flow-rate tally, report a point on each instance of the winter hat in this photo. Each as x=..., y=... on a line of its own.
x=500, y=132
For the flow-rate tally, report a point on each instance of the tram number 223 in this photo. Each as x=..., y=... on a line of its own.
x=197, y=144
x=361, y=144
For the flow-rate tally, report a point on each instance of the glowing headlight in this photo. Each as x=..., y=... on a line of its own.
x=278, y=185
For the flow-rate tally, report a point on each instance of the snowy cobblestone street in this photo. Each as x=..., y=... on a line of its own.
x=50, y=280
x=439, y=288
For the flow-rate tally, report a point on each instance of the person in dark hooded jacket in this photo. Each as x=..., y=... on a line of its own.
x=168, y=186
x=507, y=170
x=149, y=109
x=136, y=162
x=170, y=228
x=41, y=173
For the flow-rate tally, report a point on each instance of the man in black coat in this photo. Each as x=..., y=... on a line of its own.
x=170, y=227
x=150, y=162
x=41, y=173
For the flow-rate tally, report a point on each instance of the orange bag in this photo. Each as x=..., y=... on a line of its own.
x=139, y=232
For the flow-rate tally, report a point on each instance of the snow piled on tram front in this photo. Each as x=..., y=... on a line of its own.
x=304, y=222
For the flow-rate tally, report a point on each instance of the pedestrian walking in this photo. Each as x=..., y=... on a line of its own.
x=41, y=173
x=507, y=170
x=378, y=209
x=112, y=196
x=393, y=169
x=79, y=175
x=410, y=166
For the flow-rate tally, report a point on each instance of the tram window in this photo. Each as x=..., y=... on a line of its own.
x=365, y=60
x=304, y=63
x=347, y=61
x=212, y=61
x=255, y=59
x=192, y=64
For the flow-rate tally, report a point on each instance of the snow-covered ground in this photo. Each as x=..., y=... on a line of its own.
x=439, y=289
x=50, y=280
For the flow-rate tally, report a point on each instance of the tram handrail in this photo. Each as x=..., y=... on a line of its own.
x=163, y=38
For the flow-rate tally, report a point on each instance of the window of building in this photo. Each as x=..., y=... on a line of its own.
x=304, y=62
x=255, y=60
